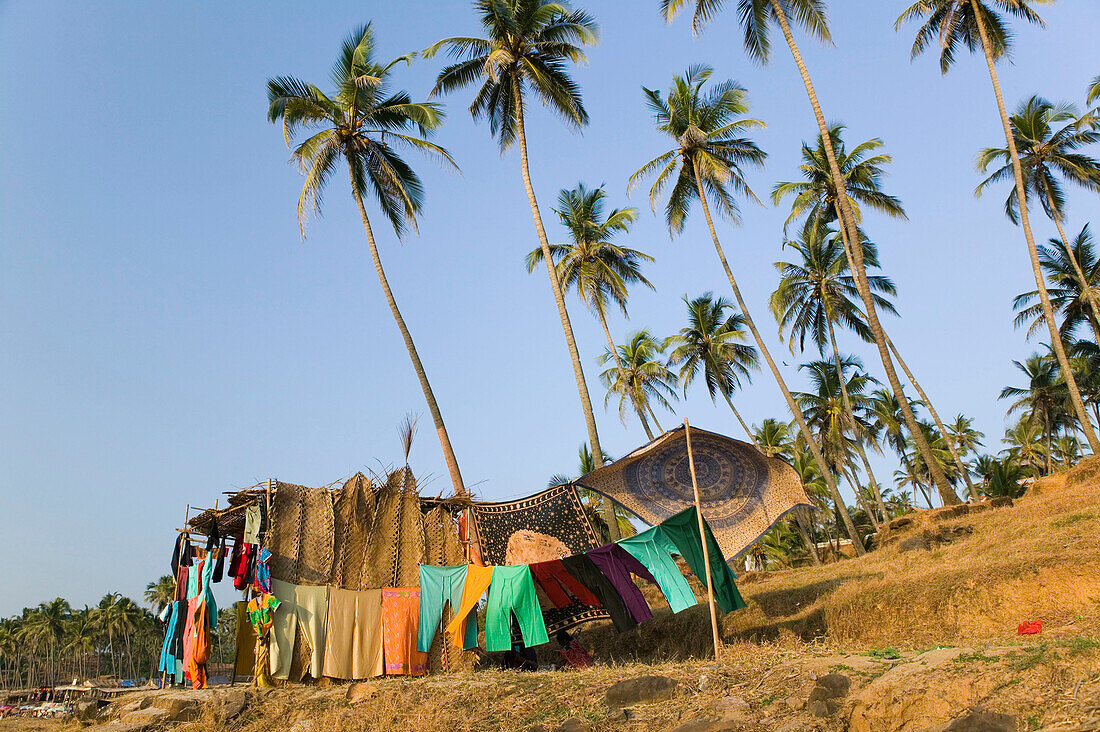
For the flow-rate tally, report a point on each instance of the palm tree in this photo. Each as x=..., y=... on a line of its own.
x=1060, y=265
x=708, y=161
x=640, y=376
x=526, y=48
x=756, y=17
x=862, y=172
x=161, y=593
x=80, y=635
x=838, y=431
x=817, y=198
x=1044, y=398
x=712, y=341
x=774, y=438
x=1024, y=445
x=816, y=293
x=1049, y=156
x=975, y=24
x=889, y=425
x=599, y=269
x=963, y=435
x=362, y=122
x=1066, y=450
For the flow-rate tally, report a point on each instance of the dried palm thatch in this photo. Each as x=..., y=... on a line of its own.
x=284, y=530
x=316, y=539
x=379, y=568
x=300, y=534
x=353, y=523
x=411, y=539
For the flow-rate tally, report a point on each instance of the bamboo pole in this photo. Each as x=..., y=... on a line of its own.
x=703, y=541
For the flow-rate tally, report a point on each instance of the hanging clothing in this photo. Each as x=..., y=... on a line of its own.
x=244, y=661
x=560, y=587
x=261, y=612
x=299, y=605
x=219, y=566
x=589, y=575
x=654, y=549
x=476, y=583
x=513, y=591
x=262, y=580
x=440, y=586
x=617, y=565
x=172, y=648
x=252, y=523
x=241, y=566
x=400, y=617
x=683, y=530
x=182, y=581
x=182, y=554
x=202, y=619
x=353, y=634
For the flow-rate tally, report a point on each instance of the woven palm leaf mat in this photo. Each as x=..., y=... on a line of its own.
x=301, y=534
x=742, y=491
x=353, y=522
x=547, y=525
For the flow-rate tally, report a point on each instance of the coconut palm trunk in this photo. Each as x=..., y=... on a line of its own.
x=964, y=471
x=850, y=475
x=805, y=535
x=660, y=429
x=608, y=508
x=739, y=419
x=1082, y=281
x=847, y=221
x=622, y=372
x=1025, y=224
x=429, y=395
x=853, y=424
x=802, y=426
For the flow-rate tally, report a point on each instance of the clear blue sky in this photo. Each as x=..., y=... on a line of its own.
x=165, y=334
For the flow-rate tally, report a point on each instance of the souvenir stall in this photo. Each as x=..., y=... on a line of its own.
x=370, y=578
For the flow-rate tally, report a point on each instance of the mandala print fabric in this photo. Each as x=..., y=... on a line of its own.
x=547, y=525
x=742, y=492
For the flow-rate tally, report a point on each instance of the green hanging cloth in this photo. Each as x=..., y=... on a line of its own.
x=683, y=529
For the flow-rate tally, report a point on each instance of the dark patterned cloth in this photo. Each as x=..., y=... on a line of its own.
x=547, y=525
x=742, y=491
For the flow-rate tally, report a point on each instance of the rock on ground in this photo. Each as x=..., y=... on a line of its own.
x=642, y=690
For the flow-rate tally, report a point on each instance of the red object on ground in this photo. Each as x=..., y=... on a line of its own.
x=1029, y=627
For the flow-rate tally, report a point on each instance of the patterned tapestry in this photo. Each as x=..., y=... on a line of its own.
x=742, y=491
x=547, y=525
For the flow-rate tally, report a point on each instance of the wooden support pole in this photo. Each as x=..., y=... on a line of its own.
x=703, y=540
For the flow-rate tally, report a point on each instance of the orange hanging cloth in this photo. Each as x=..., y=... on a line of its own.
x=400, y=622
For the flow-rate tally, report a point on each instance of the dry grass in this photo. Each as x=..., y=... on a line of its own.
x=1037, y=560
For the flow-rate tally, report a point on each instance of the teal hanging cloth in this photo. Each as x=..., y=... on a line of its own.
x=683, y=529
x=654, y=549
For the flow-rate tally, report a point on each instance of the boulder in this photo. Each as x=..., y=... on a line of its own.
x=359, y=691
x=86, y=711
x=1001, y=502
x=899, y=522
x=914, y=543
x=708, y=724
x=642, y=690
x=980, y=720
x=573, y=724
x=232, y=703
x=949, y=512
x=179, y=708
x=824, y=700
x=150, y=717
